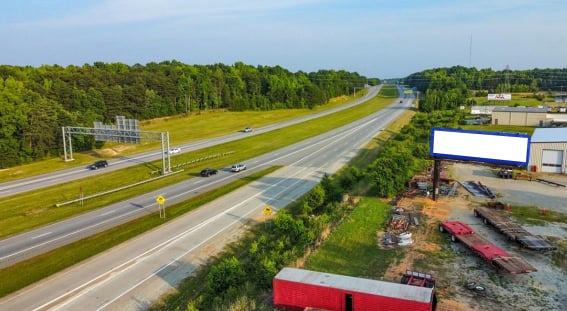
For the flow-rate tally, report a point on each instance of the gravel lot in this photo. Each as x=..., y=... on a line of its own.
x=545, y=289
x=517, y=192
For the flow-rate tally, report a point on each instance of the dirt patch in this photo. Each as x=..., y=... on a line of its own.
x=115, y=150
x=453, y=265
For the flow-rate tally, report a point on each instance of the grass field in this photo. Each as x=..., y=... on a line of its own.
x=352, y=249
x=30, y=210
x=501, y=128
x=23, y=218
x=39, y=267
x=182, y=129
x=518, y=99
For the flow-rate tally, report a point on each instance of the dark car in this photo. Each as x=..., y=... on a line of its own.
x=208, y=172
x=98, y=164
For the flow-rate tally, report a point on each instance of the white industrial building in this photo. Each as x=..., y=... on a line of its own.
x=548, y=150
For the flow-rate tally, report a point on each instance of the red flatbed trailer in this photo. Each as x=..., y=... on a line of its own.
x=487, y=251
x=512, y=230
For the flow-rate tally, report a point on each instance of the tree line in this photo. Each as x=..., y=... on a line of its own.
x=449, y=88
x=241, y=277
x=35, y=102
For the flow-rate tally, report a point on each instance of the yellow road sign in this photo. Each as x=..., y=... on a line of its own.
x=267, y=210
x=160, y=199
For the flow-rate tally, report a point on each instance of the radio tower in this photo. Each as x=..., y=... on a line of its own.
x=507, y=80
x=470, y=52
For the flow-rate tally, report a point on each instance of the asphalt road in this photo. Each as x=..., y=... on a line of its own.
x=38, y=241
x=58, y=177
x=133, y=274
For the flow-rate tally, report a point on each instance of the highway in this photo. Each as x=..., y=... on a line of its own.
x=54, y=178
x=133, y=274
x=35, y=242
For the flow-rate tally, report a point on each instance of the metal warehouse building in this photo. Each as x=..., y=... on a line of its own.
x=548, y=149
x=523, y=116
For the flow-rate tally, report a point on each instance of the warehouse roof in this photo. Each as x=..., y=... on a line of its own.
x=549, y=135
x=519, y=109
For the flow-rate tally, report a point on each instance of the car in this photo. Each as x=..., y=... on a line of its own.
x=98, y=164
x=174, y=150
x=237, y=167
x=208, y=172
x=247, y=129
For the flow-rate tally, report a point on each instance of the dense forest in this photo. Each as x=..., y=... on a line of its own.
x=449, y=88
x=36, y=102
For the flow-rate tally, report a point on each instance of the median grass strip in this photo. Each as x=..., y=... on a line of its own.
x=23, y=212
x=30, y=271
x=353, y=249
x=182, y=128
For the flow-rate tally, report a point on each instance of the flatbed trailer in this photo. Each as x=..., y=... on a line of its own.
x=512, y=230
x=491, y=253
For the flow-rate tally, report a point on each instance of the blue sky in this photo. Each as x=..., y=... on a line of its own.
x=375, y=38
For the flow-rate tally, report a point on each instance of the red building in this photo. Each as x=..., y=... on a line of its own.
x=297, y=289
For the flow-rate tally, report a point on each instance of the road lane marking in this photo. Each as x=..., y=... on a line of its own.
x=41, y=235
x=108, y=213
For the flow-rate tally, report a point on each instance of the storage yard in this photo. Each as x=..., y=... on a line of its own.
x=500, y=264
x=491, y=253
x=511, y=230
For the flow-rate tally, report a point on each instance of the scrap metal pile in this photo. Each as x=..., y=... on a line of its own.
x=397, y=231
x=422, y=184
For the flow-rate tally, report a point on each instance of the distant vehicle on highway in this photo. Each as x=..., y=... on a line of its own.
x=208, y=172
x=174, y=150
x=237, y=167
x=98, y=164
x=247, y=129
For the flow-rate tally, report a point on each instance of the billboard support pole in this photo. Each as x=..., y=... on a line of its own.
x=436, y=175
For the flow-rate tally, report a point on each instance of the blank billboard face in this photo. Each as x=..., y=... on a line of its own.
x=505, y=148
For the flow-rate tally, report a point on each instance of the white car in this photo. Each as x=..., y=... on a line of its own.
x=247, y=130
x=174, y=150
x=237, y=167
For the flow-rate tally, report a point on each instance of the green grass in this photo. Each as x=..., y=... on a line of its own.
x=32, y=270
x=37, y=208
x=352, y=249
x=517, y=100
x=500, y=128
x=559, y=257
x=534, y=215
x=35, y=269
x=182, y=129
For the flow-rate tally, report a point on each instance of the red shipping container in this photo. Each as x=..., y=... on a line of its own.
x=296, y=289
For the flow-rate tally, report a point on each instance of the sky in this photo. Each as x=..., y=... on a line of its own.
x=376, y=38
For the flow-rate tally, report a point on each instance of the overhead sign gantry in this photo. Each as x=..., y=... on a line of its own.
x=126, y=131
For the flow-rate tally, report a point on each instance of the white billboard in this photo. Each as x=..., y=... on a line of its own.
x=499, y=97
x=496, y=147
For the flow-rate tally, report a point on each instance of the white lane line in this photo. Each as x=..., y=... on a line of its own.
x=66, y=235
x=108, y=213
x=181, y=235
x=41, y=235
x=176, y=259
x=343, y=134
x=85, y=288
x=112, y=273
